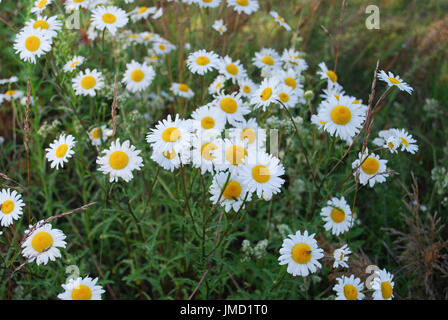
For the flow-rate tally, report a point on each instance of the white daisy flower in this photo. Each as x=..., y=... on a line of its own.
x=208, y=3
x=287, y=96
x=60, y=150
x=326, y=74
x=162, y=47
x=182, y=90
x=372, y=169
x=337, y=216
x=234, y=193
x=81, y=289
x=267, y=58
x=335, y=90
x=301, y=254
x=383, y=285
x=170, y=160
x=99, y=135
x=249, y=133
x=233, y=70
x=234, y=153
x=32, y=43
x=50, y=26
x=207, y=148
x=407, y=141
x=170, y=135
x=110, y=18
x=217, y=85
x=73, y=63
x=138, y=76
x=42, y=243
x=87, y=82
x=12, y=94
x=392, y=144
x=208, y=118
x=142, y=13
x=247, y=87
x=244, y=6
x=316, y=120
x=341, y=256
x=202, y=61
x=231, y=107
x=120, y=160
x=39, y=6
x=219, y=26
x=11, y=204
x=266, y=94
x=280, y=20
x=293, y=59
x=349, y=288
x=71, y=5
x=393, y=80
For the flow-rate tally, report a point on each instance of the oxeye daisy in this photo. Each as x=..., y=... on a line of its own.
x=301, y=254
x=231, y=69
x=392, y=144
x=231, y=107
x=249, y=133
x=162, y=47
x=234, y=153
x=280, y=20
x=73, y=63
x=244, y=6
x=99, y=135
x=170, y=160
x=316, y=120
x=206, y=153
x=11, y=204
x=60, y=150
x=393, y=80
x=142, y=12
x=110, y=18
x=407, y=141
x=290, y=78
x=262, y=175
x=326, y=74
x=383, y=285
x=337, y=216
x=31, y=43
x=266, y=94
x=40, y=5
x=170, y=135
x=208, y=3
x=349, y=288
x=208, y=118
x=219, y=26
x=202, y=61
x=247, y=87
x=138, y=76
x=232, y=195
x=120, y=160
x=50, y=26
x=335, y=90
x=81, y=289
x=341, y=256
x=71, y=5
x=217, y=85
x=42, y=243
x=87, y=82
x=371, y=168
x=267, y=58
x=12, y=94
x=293, y=59
x=342, y=118
x=287, y=96
x=182, y=90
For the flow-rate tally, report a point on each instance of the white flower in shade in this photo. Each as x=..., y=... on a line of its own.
x=219, y=26
x=11, y=204
x=60, y=150
x=230, y=107
x=287, y=96
x=233, y=70
x=170, y=160
x=294, y=59
x=244, y=6
x=50, y=26
x=396, y=81
x=162, y=47
x=73, y=63
x=207, y=152
x=337, y=216
x=229, y=192
x=267, y=58
x=120, y=160
x=371, y=168
x=301, y=254
x=247, y=87
x=349, y=288
x=217, y=85
x=87, y=82
x=249, y=133
x=290, y=78
x=12, y=94
x=169, y=135
x=261, y=174
x=341, y=256
x=32, y=43
x=142, y=12
x=99, y=135
x=208, y=3
x=335, y=90
x=208, y=118
x=110, y=18
x=326, y=74
x=392, y=144
x=280, y=20
x=342, y=118
x=234, y=152
x=71, y=5
x=157, y=14
x=138, y=76
x=149, y=37
x=266, y=94
x=12, y=79
x=202, y=61
x=182, y=90
x=81, y=289
x=407, y=141
x=42, y=243
x=383, y=285
x=40, y=5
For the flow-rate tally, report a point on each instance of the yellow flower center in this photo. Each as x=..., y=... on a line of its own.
x=41, y=4
x=162, y=47
x=171, y=134
x=169, y=155
x=74, y=64
x=206, y=151
x=10, y=92
x=88, y=82
x=370, y=165
x=229, y=105
x=142, y=10
x=207, y=1
x=7, y=206
x=78, y=1
x=243, y=3
x=391, y=145
x=183, y=87
x=32, y=43
x=386, y=289
x=232, y=191
x=81, y=292
x=268, y=60
x=202, y=60
x=137, y=75
x=394, y=81
x=118, y=160
x=109, y=18
x=337, y=215
x=41, y=24
x=61, y=150
x=301, y=253
x=266, y=94
x=291, y=82
x=232, y=69
x=247, y=89
x=350, y=292
x=42, y=241
x=261, y=174
x=208, y=123
x=235, y=154
x=332, y=76
x=249, y=134
x=341, y=115
x=405, y=142
x=96, y=133
x=284, y=97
